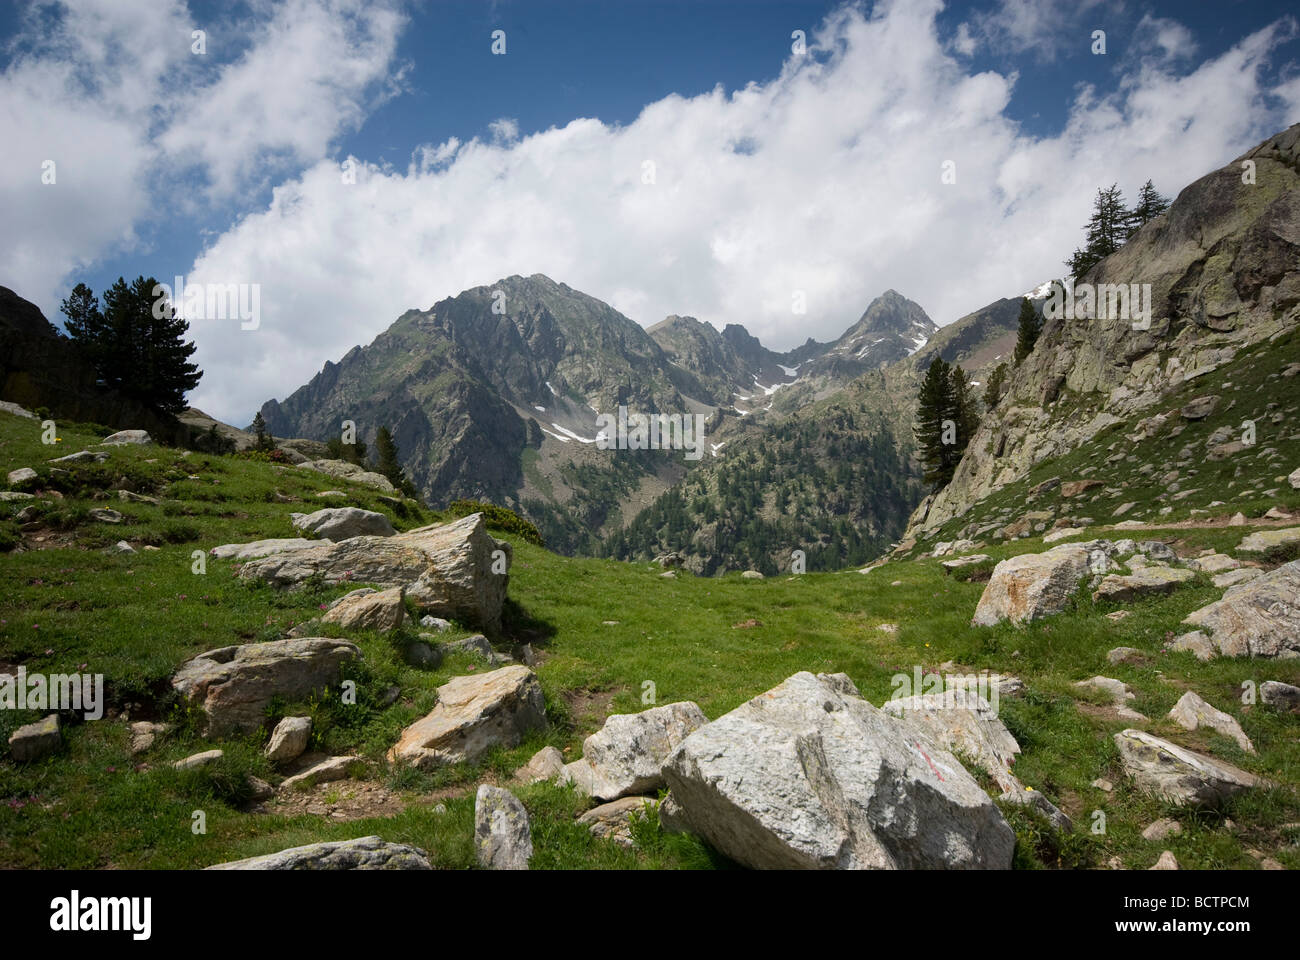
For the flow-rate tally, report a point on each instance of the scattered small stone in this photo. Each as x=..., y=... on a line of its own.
x=196, y=760
x=1162, y=828
x=289, y=739
x=1166, y=862
x=35, y=740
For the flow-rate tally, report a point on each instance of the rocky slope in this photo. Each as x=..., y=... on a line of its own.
x=1221, y=264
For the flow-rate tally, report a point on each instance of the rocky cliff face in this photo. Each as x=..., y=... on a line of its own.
x=1222, y=264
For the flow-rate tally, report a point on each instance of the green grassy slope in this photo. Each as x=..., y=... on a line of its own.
x=65, y=602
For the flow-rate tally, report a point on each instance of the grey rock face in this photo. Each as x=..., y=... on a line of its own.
x=289, y=739
x=341, y=523
x=35, y=740
x=626, y=756
x=472, y=714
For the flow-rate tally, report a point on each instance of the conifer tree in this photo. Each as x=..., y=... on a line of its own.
x=934, y=404
x=1149, y=206
x=1106, y=230
x=1031, y=325
x=993, y=389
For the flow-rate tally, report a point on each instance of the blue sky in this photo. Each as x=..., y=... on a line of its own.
x=224, y=166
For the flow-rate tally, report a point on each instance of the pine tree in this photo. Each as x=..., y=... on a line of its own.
x=962, y=412
x=1031, y=325
x=265, y=442
x=934, y=404
x=389, y=462
x=993, y=389
x=136, y=350
x=1106, y=230
x=1149, y=206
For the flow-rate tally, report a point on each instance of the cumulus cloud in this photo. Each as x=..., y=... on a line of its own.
x=111, y=93
x=825, y=181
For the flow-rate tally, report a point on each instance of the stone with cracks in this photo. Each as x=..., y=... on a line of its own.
x=235, y=685
x=382, y=611
x=21, y=475
x=341, y=523
x=364, y=853
x=627, y=754
x=1260, y=618
x=811, y=776
x=1182, y=777
x=502, y=838
x=474, y=713
x=455, y=570
x=962, y=720
x=1191, y=711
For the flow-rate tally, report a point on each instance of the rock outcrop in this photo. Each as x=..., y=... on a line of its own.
x=456, y=570
x=811, y=776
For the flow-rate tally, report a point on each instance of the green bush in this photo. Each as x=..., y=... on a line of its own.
x=498, y=518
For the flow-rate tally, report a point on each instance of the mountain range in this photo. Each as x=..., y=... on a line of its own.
x=495, y=395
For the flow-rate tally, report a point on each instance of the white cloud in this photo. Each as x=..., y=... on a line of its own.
x=1043, y=28
x=825, y=180
x=111, y=92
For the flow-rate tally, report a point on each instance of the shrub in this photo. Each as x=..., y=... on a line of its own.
x=497, y=518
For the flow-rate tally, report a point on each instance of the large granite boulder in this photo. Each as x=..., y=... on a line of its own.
x=382, y=610
x=235, y=685
x=452, y=570
x=364, y=853
x=811, y=776
x=1260, y=618
x=474, y=713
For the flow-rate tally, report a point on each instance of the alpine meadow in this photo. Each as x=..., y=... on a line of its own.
x=792, y=435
